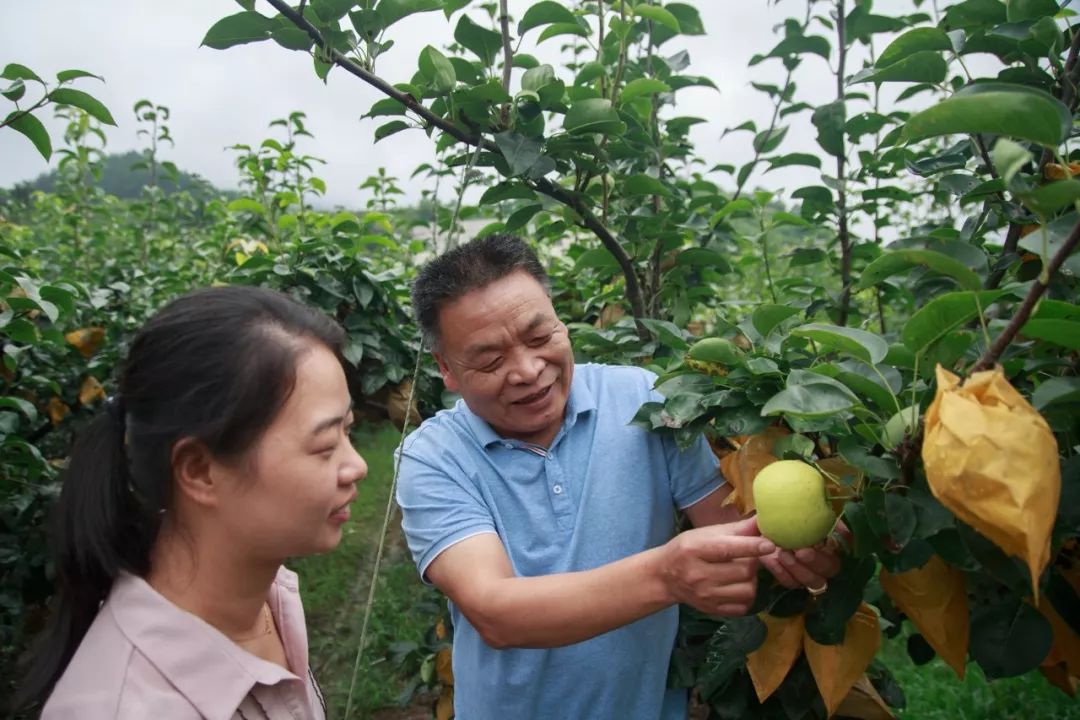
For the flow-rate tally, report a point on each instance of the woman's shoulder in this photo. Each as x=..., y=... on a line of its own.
x=109, y=678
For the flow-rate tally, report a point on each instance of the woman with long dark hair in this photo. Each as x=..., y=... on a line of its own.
x=225, y=451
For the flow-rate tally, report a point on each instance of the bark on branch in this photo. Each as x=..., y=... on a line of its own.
x=1024, y=312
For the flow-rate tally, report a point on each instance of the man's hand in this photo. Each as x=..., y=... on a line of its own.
x=809, y=567
x=714, y=568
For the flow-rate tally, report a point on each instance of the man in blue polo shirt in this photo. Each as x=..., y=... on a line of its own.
x=548, y=520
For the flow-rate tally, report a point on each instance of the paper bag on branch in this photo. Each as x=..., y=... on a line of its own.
x=992, y=460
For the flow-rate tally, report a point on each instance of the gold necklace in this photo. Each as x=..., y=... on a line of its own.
x=268, y=627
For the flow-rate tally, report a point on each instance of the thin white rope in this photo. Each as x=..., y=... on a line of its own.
x=397, y=463
x=382, y=535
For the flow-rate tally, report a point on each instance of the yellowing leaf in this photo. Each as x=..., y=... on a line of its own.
x=770, y=663
x=57, y=410
x=444, y=667
x=835, y=470
x=86, y=340
x=864, y=702
x=934, y=597
x=992, y=460
x=1066, y=648
x=1059, y=677
x=836, y=668
x=742, y=466
x=90, y=390
x=440, y=630
x=444, y=706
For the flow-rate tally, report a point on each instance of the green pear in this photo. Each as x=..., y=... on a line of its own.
x=903, y=423
x=792, y=509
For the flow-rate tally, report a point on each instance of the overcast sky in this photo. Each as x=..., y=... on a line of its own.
x=150, y=49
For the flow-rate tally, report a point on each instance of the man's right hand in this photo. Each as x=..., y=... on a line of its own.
x=714, y=568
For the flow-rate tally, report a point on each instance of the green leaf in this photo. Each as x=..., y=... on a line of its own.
x=597, y=258
x=642, y=87
x=829, y=120
x=794, y=159
x=897, y=261
x=975, y=13
x=800, y=45
x=519, y=218
x=913, y=41
x=1057, y=310
x=643, y=185
x=390, y=11
x=1056, y=390
x=593, y=115
x=926, y=66
x=557, y=29
x=521, y=152
x=1008, y=157
x=390, y=128
x=32, y=128
x=83, y=101
x=246, y=205
x=703, y=257
x=810, y=401
x=658, y=15
x=1021, y=10
x=330, y=11
x=243, y=27
x=506, y=191
x=1065, y=333
x=545, y=13
x=15, y=91
x=483, y=43
x=944, y=314
x=1048, y=199
x=68, y=75
x=25, y=407
x=15, y=71
x=534, y=79
x=1009, y=639
x=998, y=109
x=437, y=70
x=292, y=38
x=669, y=333
x=767, y=317
x=865, y=346
x=768, y=140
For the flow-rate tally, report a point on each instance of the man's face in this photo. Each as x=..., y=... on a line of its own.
x=502, y=348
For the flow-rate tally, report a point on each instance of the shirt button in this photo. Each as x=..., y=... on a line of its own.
x=557, y=489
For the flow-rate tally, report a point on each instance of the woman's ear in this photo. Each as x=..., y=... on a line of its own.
x=193, y=472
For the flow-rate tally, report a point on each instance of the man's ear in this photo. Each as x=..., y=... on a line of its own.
x=193, y=472
x=447, y=374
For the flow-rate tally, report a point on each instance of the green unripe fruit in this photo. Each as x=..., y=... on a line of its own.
x=900, y=425
x=792, y=509
x=713, y=356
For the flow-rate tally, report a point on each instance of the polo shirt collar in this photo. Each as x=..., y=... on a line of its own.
x=581, y=401
x=211, y=671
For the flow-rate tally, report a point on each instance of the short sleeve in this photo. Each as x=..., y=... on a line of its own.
x=439, y=505
x=694, y=473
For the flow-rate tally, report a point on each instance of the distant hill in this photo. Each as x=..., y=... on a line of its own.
x=119, y=179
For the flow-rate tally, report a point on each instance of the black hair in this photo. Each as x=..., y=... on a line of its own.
x=466, y=267
x=216, y=365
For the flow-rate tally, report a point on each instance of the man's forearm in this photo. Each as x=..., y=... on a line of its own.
x=561, y=609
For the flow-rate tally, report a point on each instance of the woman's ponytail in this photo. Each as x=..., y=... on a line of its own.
x=99, y=529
